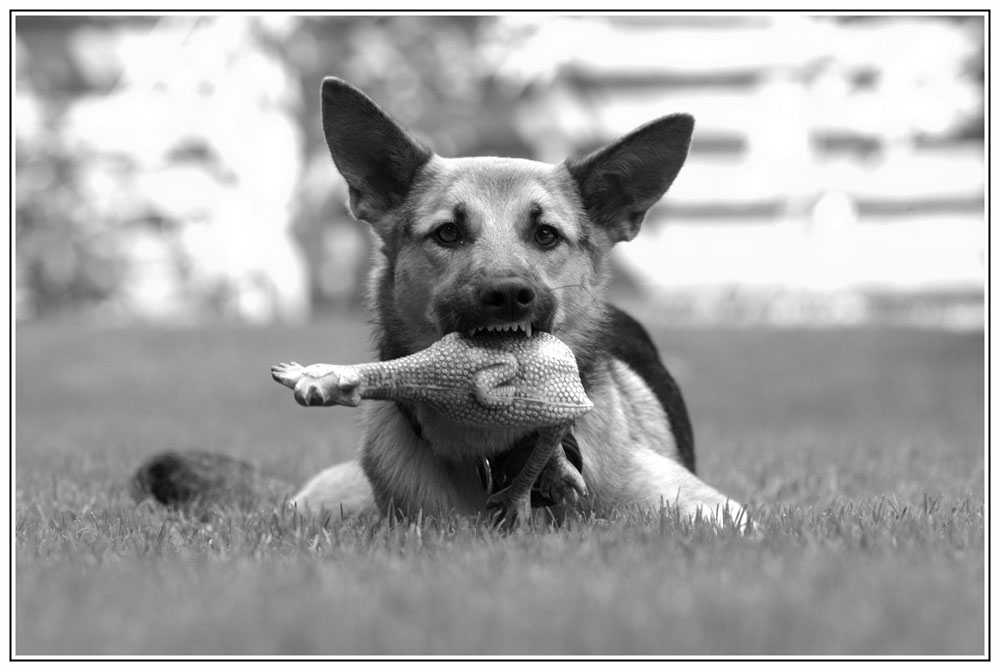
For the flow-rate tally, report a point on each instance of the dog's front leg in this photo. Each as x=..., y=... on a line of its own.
x=341, y=488
x=659, y=480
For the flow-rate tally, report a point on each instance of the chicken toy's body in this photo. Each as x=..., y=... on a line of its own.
x=483, y=380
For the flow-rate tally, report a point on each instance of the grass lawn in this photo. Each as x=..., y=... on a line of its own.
x=859, y=452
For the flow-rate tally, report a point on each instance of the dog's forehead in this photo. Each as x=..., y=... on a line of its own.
x=492, y=186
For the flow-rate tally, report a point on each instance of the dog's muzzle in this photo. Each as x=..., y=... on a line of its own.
x=498, y=304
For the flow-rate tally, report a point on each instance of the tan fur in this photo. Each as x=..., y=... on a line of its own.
x=418, y=284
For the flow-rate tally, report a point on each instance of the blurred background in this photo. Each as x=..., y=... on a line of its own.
x=173, y=169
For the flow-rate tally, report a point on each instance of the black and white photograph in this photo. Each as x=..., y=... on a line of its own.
x=499, y=335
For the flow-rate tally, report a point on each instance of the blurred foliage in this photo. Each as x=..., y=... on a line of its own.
x=435, y=74
x=84, y=226
x=63, y=260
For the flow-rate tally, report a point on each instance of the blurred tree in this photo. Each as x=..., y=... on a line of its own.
x=141, y=189
x=63, y=260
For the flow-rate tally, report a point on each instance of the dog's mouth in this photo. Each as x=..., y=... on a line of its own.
x=497, y=330
x=486, y=322
x=525, y=328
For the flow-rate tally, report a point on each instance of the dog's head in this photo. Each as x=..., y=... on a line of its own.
x=488, y=243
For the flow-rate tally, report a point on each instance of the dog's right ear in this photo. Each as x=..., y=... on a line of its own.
x=376, y=155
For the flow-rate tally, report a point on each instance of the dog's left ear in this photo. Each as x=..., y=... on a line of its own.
x=620, y=182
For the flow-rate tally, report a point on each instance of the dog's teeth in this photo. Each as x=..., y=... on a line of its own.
x=510, y=327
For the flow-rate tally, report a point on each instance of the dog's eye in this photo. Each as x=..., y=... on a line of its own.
x=448, y=234
x=546, y=236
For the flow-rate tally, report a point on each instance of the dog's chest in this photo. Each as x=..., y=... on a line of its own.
x=458, y=442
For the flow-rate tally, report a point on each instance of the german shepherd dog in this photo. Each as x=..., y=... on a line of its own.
x=485, y=243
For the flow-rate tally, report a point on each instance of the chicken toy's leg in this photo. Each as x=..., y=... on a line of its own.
x=320, y=383
x=513, y=503
x=560, y=481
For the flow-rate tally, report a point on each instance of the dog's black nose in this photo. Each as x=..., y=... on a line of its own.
x=509, y=298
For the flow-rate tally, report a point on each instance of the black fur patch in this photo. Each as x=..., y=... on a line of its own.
x=499, y=472
x=628, y=341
